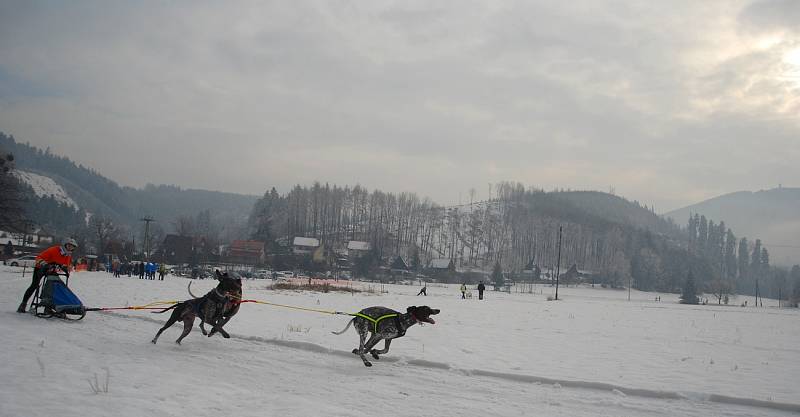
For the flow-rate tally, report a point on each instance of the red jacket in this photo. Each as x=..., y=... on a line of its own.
x=54, y=255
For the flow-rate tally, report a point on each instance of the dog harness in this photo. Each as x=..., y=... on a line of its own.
x=396, y=317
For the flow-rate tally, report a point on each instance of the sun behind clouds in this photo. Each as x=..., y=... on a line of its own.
x=792, y=61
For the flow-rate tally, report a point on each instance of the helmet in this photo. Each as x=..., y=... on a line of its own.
x=71, y=241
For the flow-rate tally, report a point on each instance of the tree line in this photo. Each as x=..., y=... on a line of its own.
x=620, y=242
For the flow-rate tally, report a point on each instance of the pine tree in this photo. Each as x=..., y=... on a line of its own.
x=689, y=295
x=794, y=277
x=744, y=260
x=730, y=256
x=702, y=236
x=497, y=276
x=692, y=229
x=12, y=212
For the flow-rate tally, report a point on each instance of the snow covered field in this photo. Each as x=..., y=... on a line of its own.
x=592, y=353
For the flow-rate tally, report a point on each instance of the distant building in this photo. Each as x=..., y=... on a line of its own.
x=249, y=252
x=441, y=269
x=357, y=248
x=176, y=250
x=399, y=265
x=304, y=245
x=442, y=264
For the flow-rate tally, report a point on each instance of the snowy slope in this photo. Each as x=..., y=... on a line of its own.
x=45, y=186
x=593, y=353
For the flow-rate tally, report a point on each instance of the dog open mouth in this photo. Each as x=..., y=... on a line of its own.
x=427, y=320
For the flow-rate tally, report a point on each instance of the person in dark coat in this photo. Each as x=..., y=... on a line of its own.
x=423, y=291
x=481, y=288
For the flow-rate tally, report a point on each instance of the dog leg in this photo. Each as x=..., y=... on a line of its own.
x=188, y=322
x=368, y=347
x=218, y=328
x=172, y=319
x=362, y=338
x=383, y=351
x=371, y=344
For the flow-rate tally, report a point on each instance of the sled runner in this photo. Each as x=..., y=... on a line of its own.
x=54, y=299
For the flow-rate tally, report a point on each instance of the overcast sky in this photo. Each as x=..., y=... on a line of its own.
x=668, y=102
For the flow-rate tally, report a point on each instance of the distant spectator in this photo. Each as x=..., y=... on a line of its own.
x=464, y=291
x=8, y=250
x=481, y=288
x=423, y=291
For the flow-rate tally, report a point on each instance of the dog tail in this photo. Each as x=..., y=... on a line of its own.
x=166, y=309
x=190, y=290
x=346, y=327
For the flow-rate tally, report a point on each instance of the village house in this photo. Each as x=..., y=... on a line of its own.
x=357, y=249
x=304, y=245
x=176, y=250
x=247, y=252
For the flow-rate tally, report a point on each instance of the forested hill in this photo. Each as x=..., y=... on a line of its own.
x=770, y=215
x=621, y=211
x=94, y=193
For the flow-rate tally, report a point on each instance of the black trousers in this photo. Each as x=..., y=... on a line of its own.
x=38, y=273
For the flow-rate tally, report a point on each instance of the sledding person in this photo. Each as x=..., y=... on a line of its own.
x=423, y=291
x=59, y=255
x=481, y=289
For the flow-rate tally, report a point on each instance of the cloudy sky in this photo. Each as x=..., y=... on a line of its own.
x=668, y=102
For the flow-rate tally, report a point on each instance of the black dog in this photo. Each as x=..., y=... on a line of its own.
x=210, y=308
x=231, y=307
x=385, y=324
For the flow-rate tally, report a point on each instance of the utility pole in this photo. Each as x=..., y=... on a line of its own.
x=558, y=263
x=146, y=245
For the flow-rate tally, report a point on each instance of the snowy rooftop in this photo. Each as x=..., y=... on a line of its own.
x=440, y=263
x=357, y=245
x=306, y=241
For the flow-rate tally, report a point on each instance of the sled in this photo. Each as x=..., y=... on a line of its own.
x=54, y=299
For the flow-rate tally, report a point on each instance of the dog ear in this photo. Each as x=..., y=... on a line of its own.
x=408, y=310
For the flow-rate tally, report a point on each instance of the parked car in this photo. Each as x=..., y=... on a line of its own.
x=263, y=274
x=27, y=260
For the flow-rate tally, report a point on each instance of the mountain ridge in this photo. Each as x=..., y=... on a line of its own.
x=772, y=215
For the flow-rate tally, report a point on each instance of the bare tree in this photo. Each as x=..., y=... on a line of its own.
x=184, y=226
x=103, y=230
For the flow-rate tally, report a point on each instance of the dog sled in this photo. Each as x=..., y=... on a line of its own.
x=53, y=298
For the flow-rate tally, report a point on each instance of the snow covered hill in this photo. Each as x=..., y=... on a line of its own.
x=593, y=353
x=45, y=186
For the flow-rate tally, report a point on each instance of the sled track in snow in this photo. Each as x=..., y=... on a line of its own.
x=531, y=379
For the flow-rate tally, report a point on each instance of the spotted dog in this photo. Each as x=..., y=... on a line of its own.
x=210, y=308
x=385, y=324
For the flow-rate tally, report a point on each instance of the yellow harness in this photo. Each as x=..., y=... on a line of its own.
x=376, y=321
